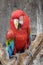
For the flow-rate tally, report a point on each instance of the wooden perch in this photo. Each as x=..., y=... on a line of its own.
x=34, y=49
x=27, y=57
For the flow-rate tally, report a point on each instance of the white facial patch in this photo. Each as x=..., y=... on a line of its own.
x=21, y=20
x=16, y=23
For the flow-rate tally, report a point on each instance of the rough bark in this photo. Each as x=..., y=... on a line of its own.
x=25, y=58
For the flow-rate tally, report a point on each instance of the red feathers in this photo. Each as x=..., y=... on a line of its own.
x=22, y=35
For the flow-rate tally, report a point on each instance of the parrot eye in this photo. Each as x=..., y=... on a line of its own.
x=16, y=23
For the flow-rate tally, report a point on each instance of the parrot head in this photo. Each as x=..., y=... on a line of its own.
x=17, y=19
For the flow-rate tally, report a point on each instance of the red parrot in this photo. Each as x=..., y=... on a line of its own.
x=20, y=25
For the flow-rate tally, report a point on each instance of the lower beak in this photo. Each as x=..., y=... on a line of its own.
x=19, y=25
